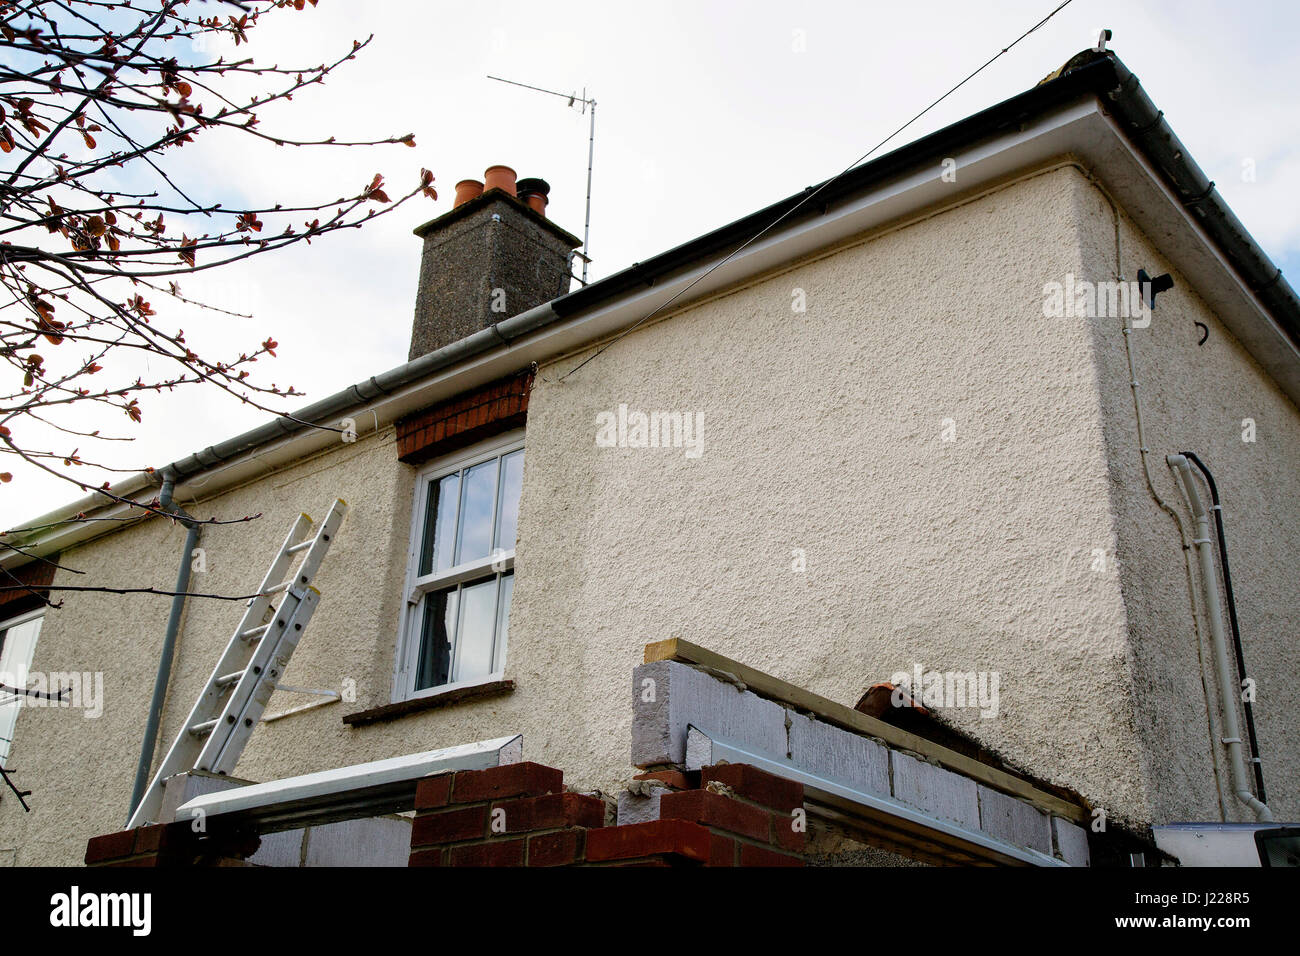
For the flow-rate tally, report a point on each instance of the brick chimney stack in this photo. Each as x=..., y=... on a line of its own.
x=493, y=256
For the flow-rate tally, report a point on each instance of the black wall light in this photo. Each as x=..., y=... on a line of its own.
x=1153, y=287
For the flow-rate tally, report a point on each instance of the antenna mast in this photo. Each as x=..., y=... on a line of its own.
x=574, y=100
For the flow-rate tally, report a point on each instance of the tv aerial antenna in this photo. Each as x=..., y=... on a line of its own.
x=581, y=103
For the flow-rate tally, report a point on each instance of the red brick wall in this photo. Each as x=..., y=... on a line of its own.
x=465, y=419
x=519, y=815
x=169, y=845
x=36, y=576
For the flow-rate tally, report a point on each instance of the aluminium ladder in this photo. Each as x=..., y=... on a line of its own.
x=241, y=685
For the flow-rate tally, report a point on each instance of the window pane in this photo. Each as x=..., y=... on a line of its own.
x=437, y=632
x=503, y=621
x=440, y=524
x=478, y=605
x=17, y=647
x=477, y=498
x=512, y=477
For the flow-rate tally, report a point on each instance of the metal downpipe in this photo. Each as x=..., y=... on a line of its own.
x=163, y=676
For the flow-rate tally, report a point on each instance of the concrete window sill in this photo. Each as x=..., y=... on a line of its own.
x=415, y=705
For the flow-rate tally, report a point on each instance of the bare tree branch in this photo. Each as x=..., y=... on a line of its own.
x=98, y=94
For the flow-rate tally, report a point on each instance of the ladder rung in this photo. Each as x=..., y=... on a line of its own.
x=300, y=546
x=217, y=743
x=203, y=729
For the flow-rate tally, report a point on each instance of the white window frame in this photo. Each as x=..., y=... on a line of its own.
x=15, y=701
x=416, y=586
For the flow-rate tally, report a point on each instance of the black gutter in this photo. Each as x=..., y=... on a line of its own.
x=1146, y=127
x=1092, y=78
x=1100, y=75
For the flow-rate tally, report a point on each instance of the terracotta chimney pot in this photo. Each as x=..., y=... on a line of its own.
x=466, y=190
x=534, y=192
x=499, y=177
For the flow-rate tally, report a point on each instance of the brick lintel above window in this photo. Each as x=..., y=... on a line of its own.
x=468, y=418
x=30, y=584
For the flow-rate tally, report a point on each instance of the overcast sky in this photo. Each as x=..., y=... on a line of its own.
x=706, y=111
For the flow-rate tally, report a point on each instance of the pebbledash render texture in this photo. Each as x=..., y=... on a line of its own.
x=486, y=260
x=522, y=815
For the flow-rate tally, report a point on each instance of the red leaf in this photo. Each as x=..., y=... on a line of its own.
x=373, y=191
x=50, y=328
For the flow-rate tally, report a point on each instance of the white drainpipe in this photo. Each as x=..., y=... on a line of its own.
x=1214, y=611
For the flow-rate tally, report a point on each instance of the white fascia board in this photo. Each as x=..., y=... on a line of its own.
x=977, y=167
x=1081, y=130
x=1181, y=239
x=320, y=786
x=980, y=164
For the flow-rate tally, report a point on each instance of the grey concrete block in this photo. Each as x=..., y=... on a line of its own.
x=640, y=807
x=276, y=849
x=1070, y=842
x=839, y=755
x=286, y=847
x=937, y=791
x=280, y=849
x=699, y=749
x=668, y=697
x=652, y=727
x=184, y=787
x=373, y=841
x=1014, y=820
